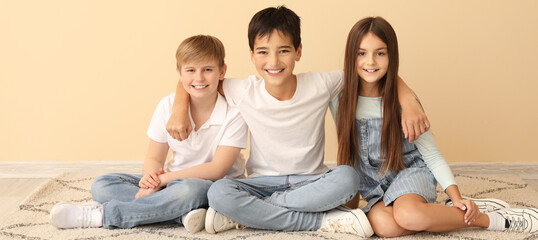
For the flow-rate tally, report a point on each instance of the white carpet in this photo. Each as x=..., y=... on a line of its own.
x=31, y=220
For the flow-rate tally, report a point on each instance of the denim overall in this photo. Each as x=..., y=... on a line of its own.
x=373, y=187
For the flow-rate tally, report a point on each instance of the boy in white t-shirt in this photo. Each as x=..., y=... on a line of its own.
x=178, y=195
x=288, y=188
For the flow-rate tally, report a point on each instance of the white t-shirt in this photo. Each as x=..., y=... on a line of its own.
x=286, y=137
x=225, y=127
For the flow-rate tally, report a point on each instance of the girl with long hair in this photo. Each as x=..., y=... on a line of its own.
x=398, y=178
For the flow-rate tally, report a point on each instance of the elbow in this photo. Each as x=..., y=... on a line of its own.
x=217, y=173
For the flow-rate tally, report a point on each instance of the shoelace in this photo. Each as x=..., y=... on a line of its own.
x=87, y=215
x=338, y=226
x=517, y=224
x=230, y=222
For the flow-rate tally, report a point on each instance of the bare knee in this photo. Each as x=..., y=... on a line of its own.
x=383, y=223
x=411, y=216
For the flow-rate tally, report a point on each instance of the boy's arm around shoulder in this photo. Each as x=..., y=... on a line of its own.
x=179, y=125
x=414, y=120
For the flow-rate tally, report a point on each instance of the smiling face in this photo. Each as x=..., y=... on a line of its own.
x=274, y=58
x=372, y=60
x=201, y=79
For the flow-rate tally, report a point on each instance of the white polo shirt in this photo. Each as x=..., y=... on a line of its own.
x=286, y=137
x=225, y=127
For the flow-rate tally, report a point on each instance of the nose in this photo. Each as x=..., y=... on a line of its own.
x=370, y=59
x=199, y=76
x=273, y=60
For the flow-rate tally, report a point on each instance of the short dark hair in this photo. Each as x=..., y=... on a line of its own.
x=280, y=18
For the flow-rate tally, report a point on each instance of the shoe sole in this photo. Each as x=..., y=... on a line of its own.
x=195, y=220
x=209, y=217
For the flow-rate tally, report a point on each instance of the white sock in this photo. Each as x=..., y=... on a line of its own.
x=323, y=219
x=183, y=219
x=496, y=221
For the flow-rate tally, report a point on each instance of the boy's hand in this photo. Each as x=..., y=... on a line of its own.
x=414, y=121
x=470, y=208
x=179, y=126
x=146, y=191
x=151, y=180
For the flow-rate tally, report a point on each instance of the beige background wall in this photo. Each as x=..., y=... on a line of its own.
x=79, y=79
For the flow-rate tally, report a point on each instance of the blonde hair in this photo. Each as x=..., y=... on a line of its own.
x=200, y=48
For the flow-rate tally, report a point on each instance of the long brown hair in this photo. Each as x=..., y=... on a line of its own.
x=391, y=133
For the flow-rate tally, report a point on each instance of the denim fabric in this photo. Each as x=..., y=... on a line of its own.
x=415, y=178
x=285, y=203
x=116, y=192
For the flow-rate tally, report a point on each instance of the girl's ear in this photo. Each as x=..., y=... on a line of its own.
x=223, y=72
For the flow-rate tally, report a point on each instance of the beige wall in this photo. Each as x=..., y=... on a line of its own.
x=79, y=79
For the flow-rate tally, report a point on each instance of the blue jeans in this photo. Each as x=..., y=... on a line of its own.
x=117, y=192
x=285, y=203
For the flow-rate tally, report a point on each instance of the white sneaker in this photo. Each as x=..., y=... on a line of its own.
x=345, y=220
x=216, y=222
x=485, y=205
x=67, y=215
x=519, y=219
x=194, y=220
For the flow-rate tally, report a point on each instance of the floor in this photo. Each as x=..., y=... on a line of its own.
x=19, y=179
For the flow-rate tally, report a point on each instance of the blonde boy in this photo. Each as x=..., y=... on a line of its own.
x=178, y=195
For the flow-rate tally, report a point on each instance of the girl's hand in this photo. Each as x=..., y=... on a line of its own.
x=470, y=208
x=151, y=180
x=414, y=122
x=146, y=191
x=179, y=126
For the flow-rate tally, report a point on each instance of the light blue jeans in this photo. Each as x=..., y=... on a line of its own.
x=285, y=203
x=116, y=192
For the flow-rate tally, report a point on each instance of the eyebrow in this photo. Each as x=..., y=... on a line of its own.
x=280, y=47
x=207, y=66
x=376, y=49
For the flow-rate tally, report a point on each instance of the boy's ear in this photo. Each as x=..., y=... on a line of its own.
x=299, y=52
x=252, y=56
x=179, y=72
x=223, y=71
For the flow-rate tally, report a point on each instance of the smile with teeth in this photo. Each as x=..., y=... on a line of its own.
x=199, y=86
x=274, y=71
x=371, y=70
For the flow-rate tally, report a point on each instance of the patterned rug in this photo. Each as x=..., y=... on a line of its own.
x=31, y=220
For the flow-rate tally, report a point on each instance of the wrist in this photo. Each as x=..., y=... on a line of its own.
x=163, y=180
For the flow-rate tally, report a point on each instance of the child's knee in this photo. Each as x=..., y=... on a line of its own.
x=97, y=189
x=218, y=194
x=100, y=188
x=411, y=217
x=347, y=177
x=388, y=230
x=192, y=188
x=384, y=224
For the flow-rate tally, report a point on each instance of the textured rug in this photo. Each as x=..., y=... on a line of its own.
x=31, y=220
